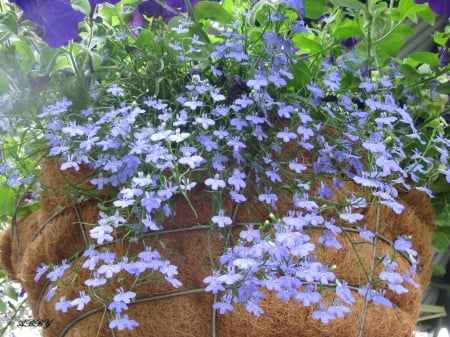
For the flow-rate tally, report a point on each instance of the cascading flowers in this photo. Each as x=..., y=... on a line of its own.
x=239, y=97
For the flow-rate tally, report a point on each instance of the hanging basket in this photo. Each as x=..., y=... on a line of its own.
x=58, y=230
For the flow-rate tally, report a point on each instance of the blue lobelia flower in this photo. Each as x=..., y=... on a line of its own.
x=441, y=7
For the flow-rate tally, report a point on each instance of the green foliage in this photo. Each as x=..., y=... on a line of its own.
x=213, y=11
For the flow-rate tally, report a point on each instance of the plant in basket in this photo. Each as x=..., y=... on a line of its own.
x=231, y=168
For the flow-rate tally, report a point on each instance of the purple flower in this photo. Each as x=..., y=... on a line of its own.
x=351, y=217
x=344, y=292
x=118, y=307
x=124, y=296
x=82, y=301
x=441, y=7
x=403, y=244
x=58, y=271
x=56, y=18
x=338, y=310
x=152, y=9
x=224, y=305
x=40, y=271
x=323, y=314
x=221, y=220
x=215, y=183
x=366, y=234
x=444, y=55
x=63, y=305
x=122, y=323
x=309, y=296
x=95, y=281
x=349, y=43
x=214, y=283
x=51, y=292
x=101, y=233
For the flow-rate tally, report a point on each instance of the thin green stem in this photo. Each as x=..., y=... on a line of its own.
x=372, y=270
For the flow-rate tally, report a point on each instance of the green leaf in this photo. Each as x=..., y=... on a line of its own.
x=354, y=4
x=7, y=200
x=441, y=238
x=26, y=59
x=302, y=74
x=404, y=30
x=4, y=82
x=410, y=73
x=343, y=33
x=11, y=292
x=2, y=307
x=438, y=270
x=408, y=8
x=428, y=15
x=443, y=88
x=145, y=39
x=307, y=45
x=441, y=38
x=390, y=46
x=48, y=58
x=315, y=8
x=8, y=23
x=82, y=5
x=28, y=209
x=424, y=57
x=205, y=10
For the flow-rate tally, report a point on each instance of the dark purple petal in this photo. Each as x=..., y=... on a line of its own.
x=444, y=57
x=147, y=8
x=349, y=43
x=57, y=19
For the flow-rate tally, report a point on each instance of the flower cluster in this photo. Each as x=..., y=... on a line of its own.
x=247, y=127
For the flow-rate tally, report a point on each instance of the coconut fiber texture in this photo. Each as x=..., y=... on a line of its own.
x=58, y=230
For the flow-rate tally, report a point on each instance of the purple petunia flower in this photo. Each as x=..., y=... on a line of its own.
x=57, y=19
x=441, y=7
x=153, y=9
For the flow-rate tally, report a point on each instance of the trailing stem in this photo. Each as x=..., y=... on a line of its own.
x=372, y=270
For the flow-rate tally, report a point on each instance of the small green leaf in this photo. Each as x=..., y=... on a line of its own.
x=205, y=10
x=424, y=57
x=145, y=39
x=2, y=307
x=8, y=23
x=390, y=46
x=307, y=45
x=26, y=56
x=354, y=4
x=82, y=5
x=4, y=82
x=441, y=238
x=302, y=74
x=428, y=15
x=438, y=270
x=443, y=88
x=48, y=58
x=7, y=200
x=315, y=8
x=11, y=292
x=441, y=38
x=28, y=209
x=410, y=73
x=408, y=8
x=343, y=33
